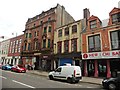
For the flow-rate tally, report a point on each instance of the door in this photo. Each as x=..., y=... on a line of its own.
x=57, y=73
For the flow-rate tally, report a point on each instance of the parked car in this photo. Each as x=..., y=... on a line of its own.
x=69, y=73
x=1, y=65
x=18, y=68
x=7, y=67
x=111, y=83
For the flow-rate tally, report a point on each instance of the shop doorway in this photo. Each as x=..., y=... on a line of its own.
x=102, y=68
x=90, y=67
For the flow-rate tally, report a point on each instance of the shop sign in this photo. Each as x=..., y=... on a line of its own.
x=100, y=55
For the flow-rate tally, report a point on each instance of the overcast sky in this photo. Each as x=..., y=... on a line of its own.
x=14, y=13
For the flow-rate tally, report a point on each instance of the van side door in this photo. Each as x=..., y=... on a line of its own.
x=57, y=73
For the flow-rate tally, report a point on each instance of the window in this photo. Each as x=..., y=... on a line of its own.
x=60, y=33
x=66, y=31
x=74, y=28
x=59, y=47
x=116, y=18
x=45, y=30
x=58, y=70
x=25, y=46
x=48, y=43
x=66, y=46
x=35, y=34
x=41, y=22
x=29, y=46
x=49, y=30
x=49, y=18
x=34, y=25
x=93, y=24
x=44, y=43
x=74, y=45
x=17, y=42
x=115, y=39
x=30, y=35
x=26, y=35
x=94, y=43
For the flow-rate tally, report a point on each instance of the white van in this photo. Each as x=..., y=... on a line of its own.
x=69, y=73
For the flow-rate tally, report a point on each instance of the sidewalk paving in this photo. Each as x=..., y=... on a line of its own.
x=90, y=80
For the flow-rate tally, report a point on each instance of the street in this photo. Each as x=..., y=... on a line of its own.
x=24, y=80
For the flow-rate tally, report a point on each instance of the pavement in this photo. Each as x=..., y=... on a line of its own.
x=90, y=80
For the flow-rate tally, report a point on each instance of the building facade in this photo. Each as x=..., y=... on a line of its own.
x=4, y=46
x=67, y=43
x=101, y=46
x=14, y=50
x=37, y=46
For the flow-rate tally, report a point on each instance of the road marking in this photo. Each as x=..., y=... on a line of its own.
x=89, y=87
x=3, y=77
x=23, y=84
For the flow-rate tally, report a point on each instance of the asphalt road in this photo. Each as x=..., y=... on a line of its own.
x=23, y=80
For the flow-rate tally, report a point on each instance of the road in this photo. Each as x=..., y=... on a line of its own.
x=23, y=80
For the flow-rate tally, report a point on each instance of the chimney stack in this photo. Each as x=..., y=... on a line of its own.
x=86, y=14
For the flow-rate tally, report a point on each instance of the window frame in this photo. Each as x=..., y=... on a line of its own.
x=116, y=40
x=95, y=47
x=74, y=29
x=66, y=31
x=93, y=24
x=60, y=33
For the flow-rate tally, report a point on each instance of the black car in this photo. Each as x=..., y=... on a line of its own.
x=111, y=83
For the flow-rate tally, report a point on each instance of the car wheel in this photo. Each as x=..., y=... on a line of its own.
x=111, y=86
x=69, y=80
x=51, y=77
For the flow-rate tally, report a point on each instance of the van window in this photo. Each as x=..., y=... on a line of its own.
x=58, y=70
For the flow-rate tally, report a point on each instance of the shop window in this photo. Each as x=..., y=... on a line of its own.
x=74, y=29
x=94, y=43
x=60, y=33
x=66, y=31
x=74, y=45
x=66, y=46
x=59, y=46
x=115, y=39
x=116, y=18
x=93, y=24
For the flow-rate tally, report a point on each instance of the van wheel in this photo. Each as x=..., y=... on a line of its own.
x=69, y=80
x=77, y=81
x=51, y=77
x=111, y=86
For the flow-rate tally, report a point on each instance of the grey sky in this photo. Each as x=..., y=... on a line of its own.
x=14, y=13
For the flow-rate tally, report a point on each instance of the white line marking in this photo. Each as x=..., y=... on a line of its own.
x=3, y=77
x=23, y=84
x=89, y=87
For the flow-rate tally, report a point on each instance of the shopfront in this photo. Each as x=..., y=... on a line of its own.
x=101, y=64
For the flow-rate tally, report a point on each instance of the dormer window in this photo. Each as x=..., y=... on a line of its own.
x=93, y=24
x=116, y=18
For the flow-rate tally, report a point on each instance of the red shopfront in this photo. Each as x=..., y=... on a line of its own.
x=101, y=64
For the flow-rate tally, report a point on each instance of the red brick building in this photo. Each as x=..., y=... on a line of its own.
x=101, y=45
x=37, y=46
x=15, y=50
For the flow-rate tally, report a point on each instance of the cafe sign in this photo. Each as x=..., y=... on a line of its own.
x=100, y=55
